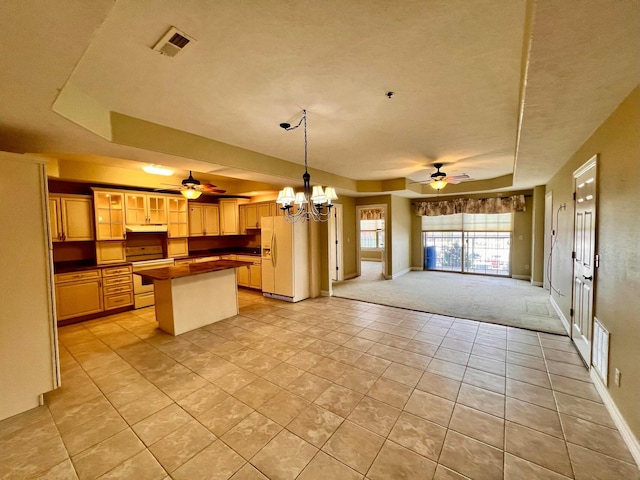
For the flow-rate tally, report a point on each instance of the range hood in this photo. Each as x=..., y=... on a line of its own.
x=145, y=228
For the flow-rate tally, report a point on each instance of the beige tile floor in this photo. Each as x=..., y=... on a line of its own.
x=323, y=389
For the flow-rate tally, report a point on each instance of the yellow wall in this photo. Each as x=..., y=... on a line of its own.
x=617, y=281
x=401, y=235
x=537, y=236
x=521, y=241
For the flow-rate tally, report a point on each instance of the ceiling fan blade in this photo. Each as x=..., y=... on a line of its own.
x=423, y=182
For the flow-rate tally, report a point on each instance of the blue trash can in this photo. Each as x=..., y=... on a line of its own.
x=430, y=258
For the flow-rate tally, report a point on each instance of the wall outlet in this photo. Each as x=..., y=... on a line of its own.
x=526, y=267
x=617, y=377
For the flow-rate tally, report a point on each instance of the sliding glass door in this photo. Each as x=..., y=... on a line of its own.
x=468, y=243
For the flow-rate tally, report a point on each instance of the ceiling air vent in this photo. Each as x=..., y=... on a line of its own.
x=173, y=42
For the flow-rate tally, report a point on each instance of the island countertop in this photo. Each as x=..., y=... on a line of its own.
x=168, y=273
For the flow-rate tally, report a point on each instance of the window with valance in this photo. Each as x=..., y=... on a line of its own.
x=514, y=203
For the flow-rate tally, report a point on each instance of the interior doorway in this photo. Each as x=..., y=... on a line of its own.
x=371, y=233
x=336, y=266
x=584, y=247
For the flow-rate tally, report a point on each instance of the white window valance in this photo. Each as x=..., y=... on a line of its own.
x=511, y=204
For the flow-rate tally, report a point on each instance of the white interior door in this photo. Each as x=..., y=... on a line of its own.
x=336, y=272
x=583, y=263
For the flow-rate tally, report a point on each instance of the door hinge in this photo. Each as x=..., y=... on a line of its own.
x=573, y=255
x=571, y=312
x=574, y=195
x=336, y=269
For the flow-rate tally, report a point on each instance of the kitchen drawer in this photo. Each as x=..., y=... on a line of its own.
x=123, y=279
x=206, y=259
x=249, y=258
x=114, y=271
x=77, y=276
x=120, y=300
x=117, y=289
x=185, y=261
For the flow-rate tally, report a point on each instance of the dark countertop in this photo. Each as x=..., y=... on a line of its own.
x=90, y=264
x=79, y=266
x=167, y=273
x=219, y=252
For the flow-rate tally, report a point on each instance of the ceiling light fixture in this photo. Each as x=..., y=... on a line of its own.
x=190, y=193
x=438, y=179
x=310, y=203
x=190, y=190
x=438, y=184
x=158, y=170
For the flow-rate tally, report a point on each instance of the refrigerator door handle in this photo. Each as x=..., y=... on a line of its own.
x=274, y=257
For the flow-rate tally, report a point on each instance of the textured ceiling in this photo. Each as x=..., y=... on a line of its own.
x=486, y=87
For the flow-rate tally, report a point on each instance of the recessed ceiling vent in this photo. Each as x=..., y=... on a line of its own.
x=173, y=42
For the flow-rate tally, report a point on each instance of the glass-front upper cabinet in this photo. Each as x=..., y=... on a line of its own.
x=109, y=215
x=178, y=217
x=144, y=209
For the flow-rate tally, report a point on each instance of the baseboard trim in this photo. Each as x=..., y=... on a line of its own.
x=521, y=277
x=537, y=284
x=350, y=276
x=325, y=293
x=563, y=319
x=399, y=274
x=627, y=435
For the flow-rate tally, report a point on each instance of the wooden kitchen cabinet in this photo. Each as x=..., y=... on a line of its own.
x=109, y=215
x=78, y=294
x=251, y=275
x=177, y=247
x=204, y=220
x=110, y=252
x=178, y=219
x=145, y=209
x=255, y=276
x=229, y=223
x=71, y=218
x=251, y=211
x=117, y=288
x=264, y=210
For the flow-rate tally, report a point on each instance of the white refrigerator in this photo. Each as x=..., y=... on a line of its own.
x=285, y=259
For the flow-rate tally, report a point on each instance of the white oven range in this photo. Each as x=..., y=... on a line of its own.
x=143, y=289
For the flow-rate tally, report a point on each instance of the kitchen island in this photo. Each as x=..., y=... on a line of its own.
x=191, y=296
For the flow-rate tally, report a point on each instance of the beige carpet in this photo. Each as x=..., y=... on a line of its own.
x=489, y=299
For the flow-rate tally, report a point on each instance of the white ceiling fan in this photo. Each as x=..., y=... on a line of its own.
x=440, y=179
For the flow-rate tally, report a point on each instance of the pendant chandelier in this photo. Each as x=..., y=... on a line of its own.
x=310, y=204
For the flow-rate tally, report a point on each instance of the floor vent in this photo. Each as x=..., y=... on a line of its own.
x=600, y=358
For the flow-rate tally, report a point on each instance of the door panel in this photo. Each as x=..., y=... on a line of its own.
x=583, y=264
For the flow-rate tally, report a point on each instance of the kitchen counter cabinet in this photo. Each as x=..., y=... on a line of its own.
x=250, y=276
x=117, y=287
x=193, y=295
x=78, y=294
x=71, y=218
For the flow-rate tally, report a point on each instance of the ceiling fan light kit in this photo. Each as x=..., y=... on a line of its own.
x=191, y=189
x=310, y=202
